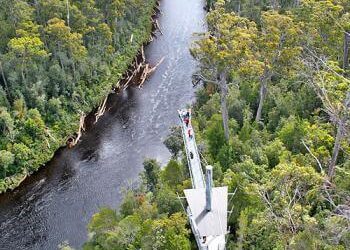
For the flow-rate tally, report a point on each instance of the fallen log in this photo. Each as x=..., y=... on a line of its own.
x=138, y=67
x=101, y=110
x=154, y=34
x=144, y=75
x=147, y=71
x=116, y=87
x=156, y=66
x=143, y=54
x=139, y=70
x=158, y=27
x=80, y=131
x=126, y=85
x=158, y=9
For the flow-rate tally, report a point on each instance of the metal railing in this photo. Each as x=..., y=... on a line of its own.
x=196, y=155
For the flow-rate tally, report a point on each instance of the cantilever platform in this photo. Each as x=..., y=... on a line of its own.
x=209, y=223
x=207, y=206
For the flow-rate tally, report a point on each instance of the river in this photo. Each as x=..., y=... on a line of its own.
x=56, y=203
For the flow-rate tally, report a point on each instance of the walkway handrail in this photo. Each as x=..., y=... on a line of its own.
x=194, y=163
x=187, y=153
x=199, y=157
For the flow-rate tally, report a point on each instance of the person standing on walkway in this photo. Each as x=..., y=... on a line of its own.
x=189, y=133
x=187, y=121
x=183, y=113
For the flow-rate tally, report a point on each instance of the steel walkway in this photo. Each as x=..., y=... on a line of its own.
x=207, y=205
x=194, y=163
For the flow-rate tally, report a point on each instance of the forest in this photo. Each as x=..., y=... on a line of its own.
x=272, y=117
x=58, y=60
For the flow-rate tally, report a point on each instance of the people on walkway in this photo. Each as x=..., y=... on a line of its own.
x=187, y=121
x=189, y=131
x=184, y=114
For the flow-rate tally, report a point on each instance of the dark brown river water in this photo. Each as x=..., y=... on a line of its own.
x=57, y=203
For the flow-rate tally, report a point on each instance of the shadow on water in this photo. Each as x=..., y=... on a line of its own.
x=57, y=202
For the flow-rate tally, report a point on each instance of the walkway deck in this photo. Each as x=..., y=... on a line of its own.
x=209, y=227
x=194, y=163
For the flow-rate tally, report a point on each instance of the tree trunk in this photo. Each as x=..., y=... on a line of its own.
x=74, y=70
x=61, y=63
x=296, y=3
x=333, y=162
x=239, y=8
x=343, y=116
x=339, y=137
x=262, y=94
x=209, y=5
x=68, y=13
x=22, y=71
x=346, y=50
x=223, y=101
x=37, y=8
x=4, y=78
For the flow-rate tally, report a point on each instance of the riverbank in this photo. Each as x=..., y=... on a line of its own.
x=66, y=133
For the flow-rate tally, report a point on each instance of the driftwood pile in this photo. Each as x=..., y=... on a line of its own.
x=138, y=73
x=73, y=140
x=141, y=69
x=101, y=110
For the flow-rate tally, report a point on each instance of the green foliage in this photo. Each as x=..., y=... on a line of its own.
x=173, y=174
x=275, y=164
x=6, y=122
x=58, y=58
x=274, y=150
x=215, y=135
x=151, y=174
x=287, y=57
x=174, y=142
x=167, y=201
x=152, y=220
x=292, y=132
x=168, y=233
x=6, y=159
x=129, y=204
x=104, y=220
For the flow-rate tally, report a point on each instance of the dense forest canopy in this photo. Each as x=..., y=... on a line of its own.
x=272, y=116
x=58, y=59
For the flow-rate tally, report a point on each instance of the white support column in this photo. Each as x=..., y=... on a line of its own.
x=209, y=184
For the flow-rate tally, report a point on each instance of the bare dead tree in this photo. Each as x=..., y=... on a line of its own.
x=263, y=92
x=339, y=114
x=346, y=50
x=313, y=155
x=68, y=13
x=341, y=126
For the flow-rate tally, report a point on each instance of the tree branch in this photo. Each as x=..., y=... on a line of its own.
x=199, y=77
x=317, y=160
